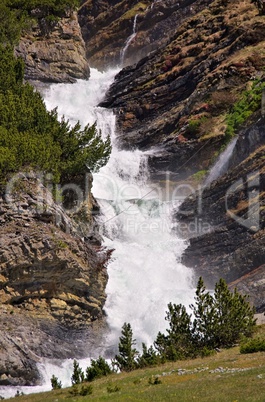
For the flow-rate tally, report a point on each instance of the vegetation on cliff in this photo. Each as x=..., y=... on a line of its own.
x=16, y=15
x=30, y=136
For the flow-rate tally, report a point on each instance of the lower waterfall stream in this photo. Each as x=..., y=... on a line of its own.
x=145, y=272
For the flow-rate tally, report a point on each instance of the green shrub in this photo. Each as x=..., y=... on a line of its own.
x=56, y=384
x=78, y=375
x=220, y=320
x=99, y=368
x=113, y=388
x=253, y=345
x=244, y=108
x=148, y=358
x=86, y=390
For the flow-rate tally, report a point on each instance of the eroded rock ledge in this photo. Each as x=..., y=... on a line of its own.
x=59, y=56
x=52, y=283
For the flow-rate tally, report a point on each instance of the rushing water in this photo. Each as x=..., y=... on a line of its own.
x=145, y=272
x=221, y=165
x=129, y=40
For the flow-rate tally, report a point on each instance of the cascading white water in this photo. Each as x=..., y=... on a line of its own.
x=128, y=41
x=221, y=165
x=145, y=272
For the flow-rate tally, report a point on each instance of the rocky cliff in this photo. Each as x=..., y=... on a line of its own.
x=57, y=55
x=52, y=283
x=232, y=210
x=175, y=100
x=117, y=33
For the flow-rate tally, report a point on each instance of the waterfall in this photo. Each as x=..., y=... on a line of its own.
x=145, y=272
x=221, y=165
x=128, y=41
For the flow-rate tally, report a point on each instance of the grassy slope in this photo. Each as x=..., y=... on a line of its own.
x=202, y=386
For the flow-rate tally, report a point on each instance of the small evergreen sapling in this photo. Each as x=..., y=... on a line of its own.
x=126, y=359
x=56, y=384
x=98, y=368
x=78, y=375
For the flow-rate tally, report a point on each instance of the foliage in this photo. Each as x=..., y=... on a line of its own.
x=32, y=136
x=149, y=357
x=177, y=344
x=78, y=375
x=244, y=108
x=56, y=384
x=75, y=390
x=86, y=390
x=199, y=176
x=193, y=127
x=126, y=359
x=18, y=15
x=220, y=320
x=98, y=368
x=18, y=393
x=253, y=345
x=113, y=388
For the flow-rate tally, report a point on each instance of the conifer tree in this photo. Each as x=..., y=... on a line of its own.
x=126, y=359
x=78, y=375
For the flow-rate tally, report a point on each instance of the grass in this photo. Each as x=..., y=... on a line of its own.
x=202, y=381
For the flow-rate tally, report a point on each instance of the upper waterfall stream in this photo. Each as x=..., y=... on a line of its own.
x=145, y=272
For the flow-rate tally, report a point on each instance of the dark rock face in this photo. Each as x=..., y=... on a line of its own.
x=106, y=26
x=58, y=57
x=165, y=102
x=233, y=209
x=52, y=283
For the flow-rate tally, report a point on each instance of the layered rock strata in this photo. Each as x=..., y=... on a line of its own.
x=52, y=281
x=58, y=56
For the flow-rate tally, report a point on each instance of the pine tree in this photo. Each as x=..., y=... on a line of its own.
x=126, y=359
x=234, y=316
x=177, y=344
x=98, y=368
x=204, y=313
x=78, y=375
x=149, y=357
x=56, y=384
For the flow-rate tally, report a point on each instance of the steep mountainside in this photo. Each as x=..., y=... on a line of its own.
x=185, y=101
x=107, y=25
x=56, y=56
x=52, y=284
x=177, y=98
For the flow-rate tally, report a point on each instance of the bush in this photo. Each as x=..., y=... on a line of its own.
x=86, y=390
x=244, y=108
x=253, y=346
x=99, y=368
x=56, y=384
x=222, y=318
x=113, y=388
x=148, y=358
x=154, y=381
x=78, y=375
x=178, y=343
